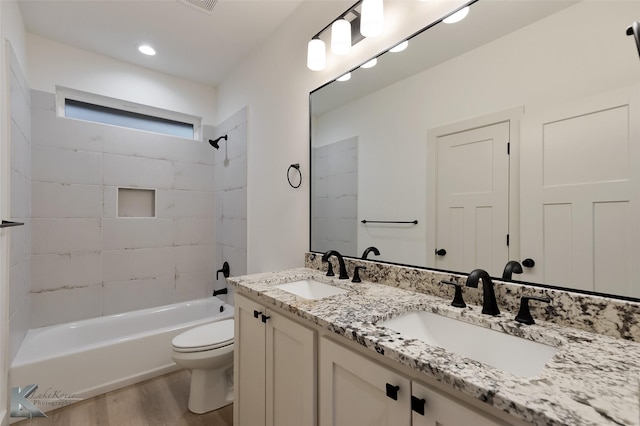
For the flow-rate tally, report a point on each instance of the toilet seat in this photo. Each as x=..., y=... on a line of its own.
x=205, y=337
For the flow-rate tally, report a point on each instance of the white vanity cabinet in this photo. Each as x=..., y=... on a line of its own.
x=355, y=390
x=274, y=368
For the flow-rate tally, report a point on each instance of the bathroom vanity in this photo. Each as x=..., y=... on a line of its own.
x=312, y=358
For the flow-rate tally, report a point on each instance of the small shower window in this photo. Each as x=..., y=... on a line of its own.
x=99, y=109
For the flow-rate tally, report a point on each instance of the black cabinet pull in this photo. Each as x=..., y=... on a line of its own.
x=256, y=314
x=392, y=391
x=265, y=318
x=417, y=405
x=441, y=252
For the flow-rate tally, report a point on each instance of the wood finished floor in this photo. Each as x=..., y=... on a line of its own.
x=155, y=402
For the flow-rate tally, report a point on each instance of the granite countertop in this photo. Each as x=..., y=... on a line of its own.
x=591, y=380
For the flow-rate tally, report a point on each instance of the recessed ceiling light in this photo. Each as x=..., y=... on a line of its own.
x=457, y=17
x=344, y=77
x=372, y=63
x=400, y=47
x=147, y=50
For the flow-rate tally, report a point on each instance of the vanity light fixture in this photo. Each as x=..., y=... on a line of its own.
x=344, y=77
x=146, y=50
x=372, y=63
x=457, y=16
x=341, y=37
x=364, y=19
x=316, y=55
x=372, y=18
x=399, y=47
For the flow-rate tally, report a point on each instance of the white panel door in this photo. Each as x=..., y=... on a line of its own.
x=291, y=373
x=440, y=410
x=472, y=186
x=353, y=390
x=580, y=193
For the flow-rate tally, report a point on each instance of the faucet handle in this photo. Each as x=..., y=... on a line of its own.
x=330, y=269
x=356, y=274
x=524, y=315
x=458, y=302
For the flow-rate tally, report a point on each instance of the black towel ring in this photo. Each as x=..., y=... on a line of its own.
x=297, y=167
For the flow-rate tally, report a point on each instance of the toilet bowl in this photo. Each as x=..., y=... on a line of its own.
x=207, y=351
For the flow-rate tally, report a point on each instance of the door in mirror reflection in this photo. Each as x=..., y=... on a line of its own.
x=473, y=198
x=580, y=166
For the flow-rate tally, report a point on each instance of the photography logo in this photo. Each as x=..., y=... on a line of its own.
x=23, y=407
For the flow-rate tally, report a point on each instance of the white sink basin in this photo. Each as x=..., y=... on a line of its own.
x=508, y=353
x=310, y=289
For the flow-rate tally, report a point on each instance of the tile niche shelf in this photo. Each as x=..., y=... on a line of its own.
x=136, y=202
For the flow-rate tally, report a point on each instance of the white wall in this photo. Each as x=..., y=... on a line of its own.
x=535, y=66
x=51, y=63
x=274, y=84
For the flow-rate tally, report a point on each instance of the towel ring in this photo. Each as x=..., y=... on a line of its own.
x=297, y=167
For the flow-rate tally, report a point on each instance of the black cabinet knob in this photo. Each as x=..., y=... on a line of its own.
x=441, y=252
x=528, y=263
x=256, y=314
x=265, y=318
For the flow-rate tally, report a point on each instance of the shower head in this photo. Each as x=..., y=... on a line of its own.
x=214, y=142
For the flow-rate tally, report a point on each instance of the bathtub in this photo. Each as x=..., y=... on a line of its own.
x=78, y=360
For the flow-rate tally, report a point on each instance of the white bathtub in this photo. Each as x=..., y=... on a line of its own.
x=82, y=359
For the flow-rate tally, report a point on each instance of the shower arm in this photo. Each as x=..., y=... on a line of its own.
x=634, y=30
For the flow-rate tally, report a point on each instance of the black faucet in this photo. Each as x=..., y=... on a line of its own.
x=369, y=250
x=343, y=268
x=512, y=267
x=489, y=304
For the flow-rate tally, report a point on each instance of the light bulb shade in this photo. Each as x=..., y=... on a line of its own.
x=457, y=17
x=316, y=55
x=344, y=77
x=341, y=37
x=372, y=63
x=399, y=47
x=372, y=18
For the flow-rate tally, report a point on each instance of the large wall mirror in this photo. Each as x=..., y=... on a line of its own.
x=513, y=134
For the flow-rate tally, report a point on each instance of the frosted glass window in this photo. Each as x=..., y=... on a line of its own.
x=134, y=202
x=117, y=117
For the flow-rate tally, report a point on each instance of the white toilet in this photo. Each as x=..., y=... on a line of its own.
x=208, y=351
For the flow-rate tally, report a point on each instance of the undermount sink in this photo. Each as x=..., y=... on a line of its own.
x=310, y=289
x=508, y=353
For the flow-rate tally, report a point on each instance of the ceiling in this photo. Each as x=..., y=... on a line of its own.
x=191, y=43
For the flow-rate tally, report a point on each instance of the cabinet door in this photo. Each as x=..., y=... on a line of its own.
x=249, y=365
x=440, y=410
x=353, y=390
x=290, y=372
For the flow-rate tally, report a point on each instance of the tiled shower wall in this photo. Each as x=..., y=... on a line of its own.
x=231, y=197
x=334, y=195
x=20, y=252
x=87, y=262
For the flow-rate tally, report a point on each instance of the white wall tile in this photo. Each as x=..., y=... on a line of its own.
x=194, y=177
x=65, y=133
x=136, y=294
x=19, y=324
x=52, y=271
x=65, y=305
x=195, y=259
x=61, y=236
x=165, y=203
x=121, y=170
x=194, y=203
x=130, y=233
x=136, y=143
x=129, y=264
x=193, y=285
x=56, y=200
x=19, y=284
x=194, y=231
x=66, y=166
x=234, y=204
x=233, y=233
x=198, y=152
x=109, y=201
x=232, y=175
